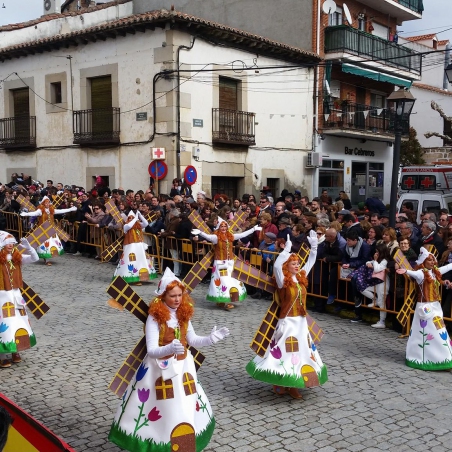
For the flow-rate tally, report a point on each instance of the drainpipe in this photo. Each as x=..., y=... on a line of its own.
x=446, y=63
x=178, y=104
x=315, y=176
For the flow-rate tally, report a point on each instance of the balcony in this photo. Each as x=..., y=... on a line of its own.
x=96, y=127
x=233, y=127
x=401, y=9
x=18, y=132
x=344, y=41
x=359, y=121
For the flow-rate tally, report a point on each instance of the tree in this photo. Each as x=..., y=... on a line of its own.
x=448, y=119
x=411, y=152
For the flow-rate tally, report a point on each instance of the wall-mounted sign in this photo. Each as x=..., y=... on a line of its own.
x=142, y=116
x=198, y=123
x=158, y=153
x=358, y=151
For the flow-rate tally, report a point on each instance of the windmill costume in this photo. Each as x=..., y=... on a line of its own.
x=164, y=407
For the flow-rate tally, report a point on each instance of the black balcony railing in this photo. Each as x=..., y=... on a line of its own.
x=415, y=5
x=96, y=127
x=345, y=39
x=234, y=127
x=360, y=117
x=18, y=132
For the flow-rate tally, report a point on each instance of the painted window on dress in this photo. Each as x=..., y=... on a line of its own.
x=164, y=389
x=292, y=344
x=189, y=384
x=8, y=310
x=132, y=257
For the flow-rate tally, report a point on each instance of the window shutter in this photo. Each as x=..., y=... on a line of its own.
x=101, y=92
x=21, y=102
x=228, y=93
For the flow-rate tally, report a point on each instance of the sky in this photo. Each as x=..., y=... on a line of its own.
x=435, y=18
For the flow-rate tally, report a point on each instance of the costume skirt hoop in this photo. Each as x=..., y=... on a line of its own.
x=164, y=409
x=15, y=330
x=135, y=265
x=223, y=287
x=292, y=359
x=429, y=346
x=50, y=248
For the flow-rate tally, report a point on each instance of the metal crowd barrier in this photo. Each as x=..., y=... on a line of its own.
x=170, y=249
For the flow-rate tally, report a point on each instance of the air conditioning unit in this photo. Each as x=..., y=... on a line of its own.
x=52, y=6
x=314, y=159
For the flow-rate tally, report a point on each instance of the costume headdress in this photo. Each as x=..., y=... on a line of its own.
x=167, y=278
x=6, y=238
x=423, y=255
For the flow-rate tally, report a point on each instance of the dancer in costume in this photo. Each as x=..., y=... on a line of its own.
x=135, y=264
x=292, y=360
x=45, y=212
x=15, y=330
x=429, y=346
x=223, y=287
x=164, y=407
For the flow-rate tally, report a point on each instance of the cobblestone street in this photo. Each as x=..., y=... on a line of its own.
x=372, y=401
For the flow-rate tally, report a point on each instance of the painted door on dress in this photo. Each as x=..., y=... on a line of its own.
x=22, y=339
x=183, y=438
x=310, y=376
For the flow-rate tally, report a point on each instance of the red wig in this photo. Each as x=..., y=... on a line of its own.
x=301, y=276
x=159, y=310
x=16, y=257
x=435, y=271
x=224, y=236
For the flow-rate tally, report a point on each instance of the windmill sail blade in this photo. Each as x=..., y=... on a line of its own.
x=237, y=221
x=402, y=261
x=150, y=216
x=198, y=222
x=57, y=200
x=316, y=332
x=252, y=276
x=63, y=235
x=34, y=302
x=111, y=208
x=198, y=357
x=126, y=372
x=25, y=203
x=264, y=334
x=110, y=251
x=303, y=254
x=39, y=235
x=128, y=298
x=405, y=311
x=197, y=272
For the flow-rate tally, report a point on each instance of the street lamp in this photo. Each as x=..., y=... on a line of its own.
x=448, y=72
x=400, y=104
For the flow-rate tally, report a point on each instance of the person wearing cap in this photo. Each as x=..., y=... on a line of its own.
x=223, y=287
x=284, y=228
x=12, y=304
x=45, y=212
x=384, y=219
x=428, y=346
x=341, y=213
x=135, y=265
x=164, y=400
x=291, y=350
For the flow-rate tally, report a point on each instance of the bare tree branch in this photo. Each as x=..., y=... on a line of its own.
x=443, y=115
x=439, y=135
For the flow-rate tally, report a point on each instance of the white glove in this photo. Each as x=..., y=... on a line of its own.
x=24, y=242
x=257, y=228
x=218, y=335
x=313, y=240
x=288, y=245
x=73, y=209
x=195, y=231
x=24, y=214
x=177, y=347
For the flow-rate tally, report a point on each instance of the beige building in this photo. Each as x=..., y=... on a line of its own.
x=92, y=91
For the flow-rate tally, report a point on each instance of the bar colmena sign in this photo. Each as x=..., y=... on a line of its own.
x=359, y=151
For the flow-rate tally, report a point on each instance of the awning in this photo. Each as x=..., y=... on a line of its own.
x=374, y=75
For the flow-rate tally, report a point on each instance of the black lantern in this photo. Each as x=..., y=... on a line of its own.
x=448, y=72
x=400, y=103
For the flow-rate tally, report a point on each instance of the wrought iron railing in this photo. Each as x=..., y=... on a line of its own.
x=99, y=126
x=415, y=5
x=346, y=39
x=234, y=127
x=350, y=115
x=18, y=132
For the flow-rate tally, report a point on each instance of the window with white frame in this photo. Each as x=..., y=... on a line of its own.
x=335, y=18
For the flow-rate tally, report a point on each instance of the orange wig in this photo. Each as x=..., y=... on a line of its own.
x=301, y=276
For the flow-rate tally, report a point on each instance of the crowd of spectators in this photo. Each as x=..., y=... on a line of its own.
x=355, y=244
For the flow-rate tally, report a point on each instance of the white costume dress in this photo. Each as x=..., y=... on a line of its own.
x=15, y=329
x=135, y=264
x=429, y=346
x=222, y=281
x=164, y=407
x=292, y=359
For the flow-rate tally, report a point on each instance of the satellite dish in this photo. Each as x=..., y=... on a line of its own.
x=326, y=86
x=329, y=7
x=348, y=16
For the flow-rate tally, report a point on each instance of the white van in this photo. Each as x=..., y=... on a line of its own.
x=426, y=201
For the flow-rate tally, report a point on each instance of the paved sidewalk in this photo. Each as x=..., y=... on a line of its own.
x=372, y=401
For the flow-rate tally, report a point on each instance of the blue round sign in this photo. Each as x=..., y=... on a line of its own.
x=190, y=175
x=158, y=169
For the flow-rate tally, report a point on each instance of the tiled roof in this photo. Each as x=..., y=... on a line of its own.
x=47, y=17
x=420, y=37
x=432, y=88
x=186, y=22
x=443, y=42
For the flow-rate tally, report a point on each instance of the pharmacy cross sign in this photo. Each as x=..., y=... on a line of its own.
x=158, y=153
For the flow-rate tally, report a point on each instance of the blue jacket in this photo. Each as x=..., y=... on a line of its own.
x=362, y=257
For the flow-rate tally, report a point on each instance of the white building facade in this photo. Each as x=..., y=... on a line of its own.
x=90, y=93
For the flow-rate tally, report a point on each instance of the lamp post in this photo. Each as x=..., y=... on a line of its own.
x=400, y=104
